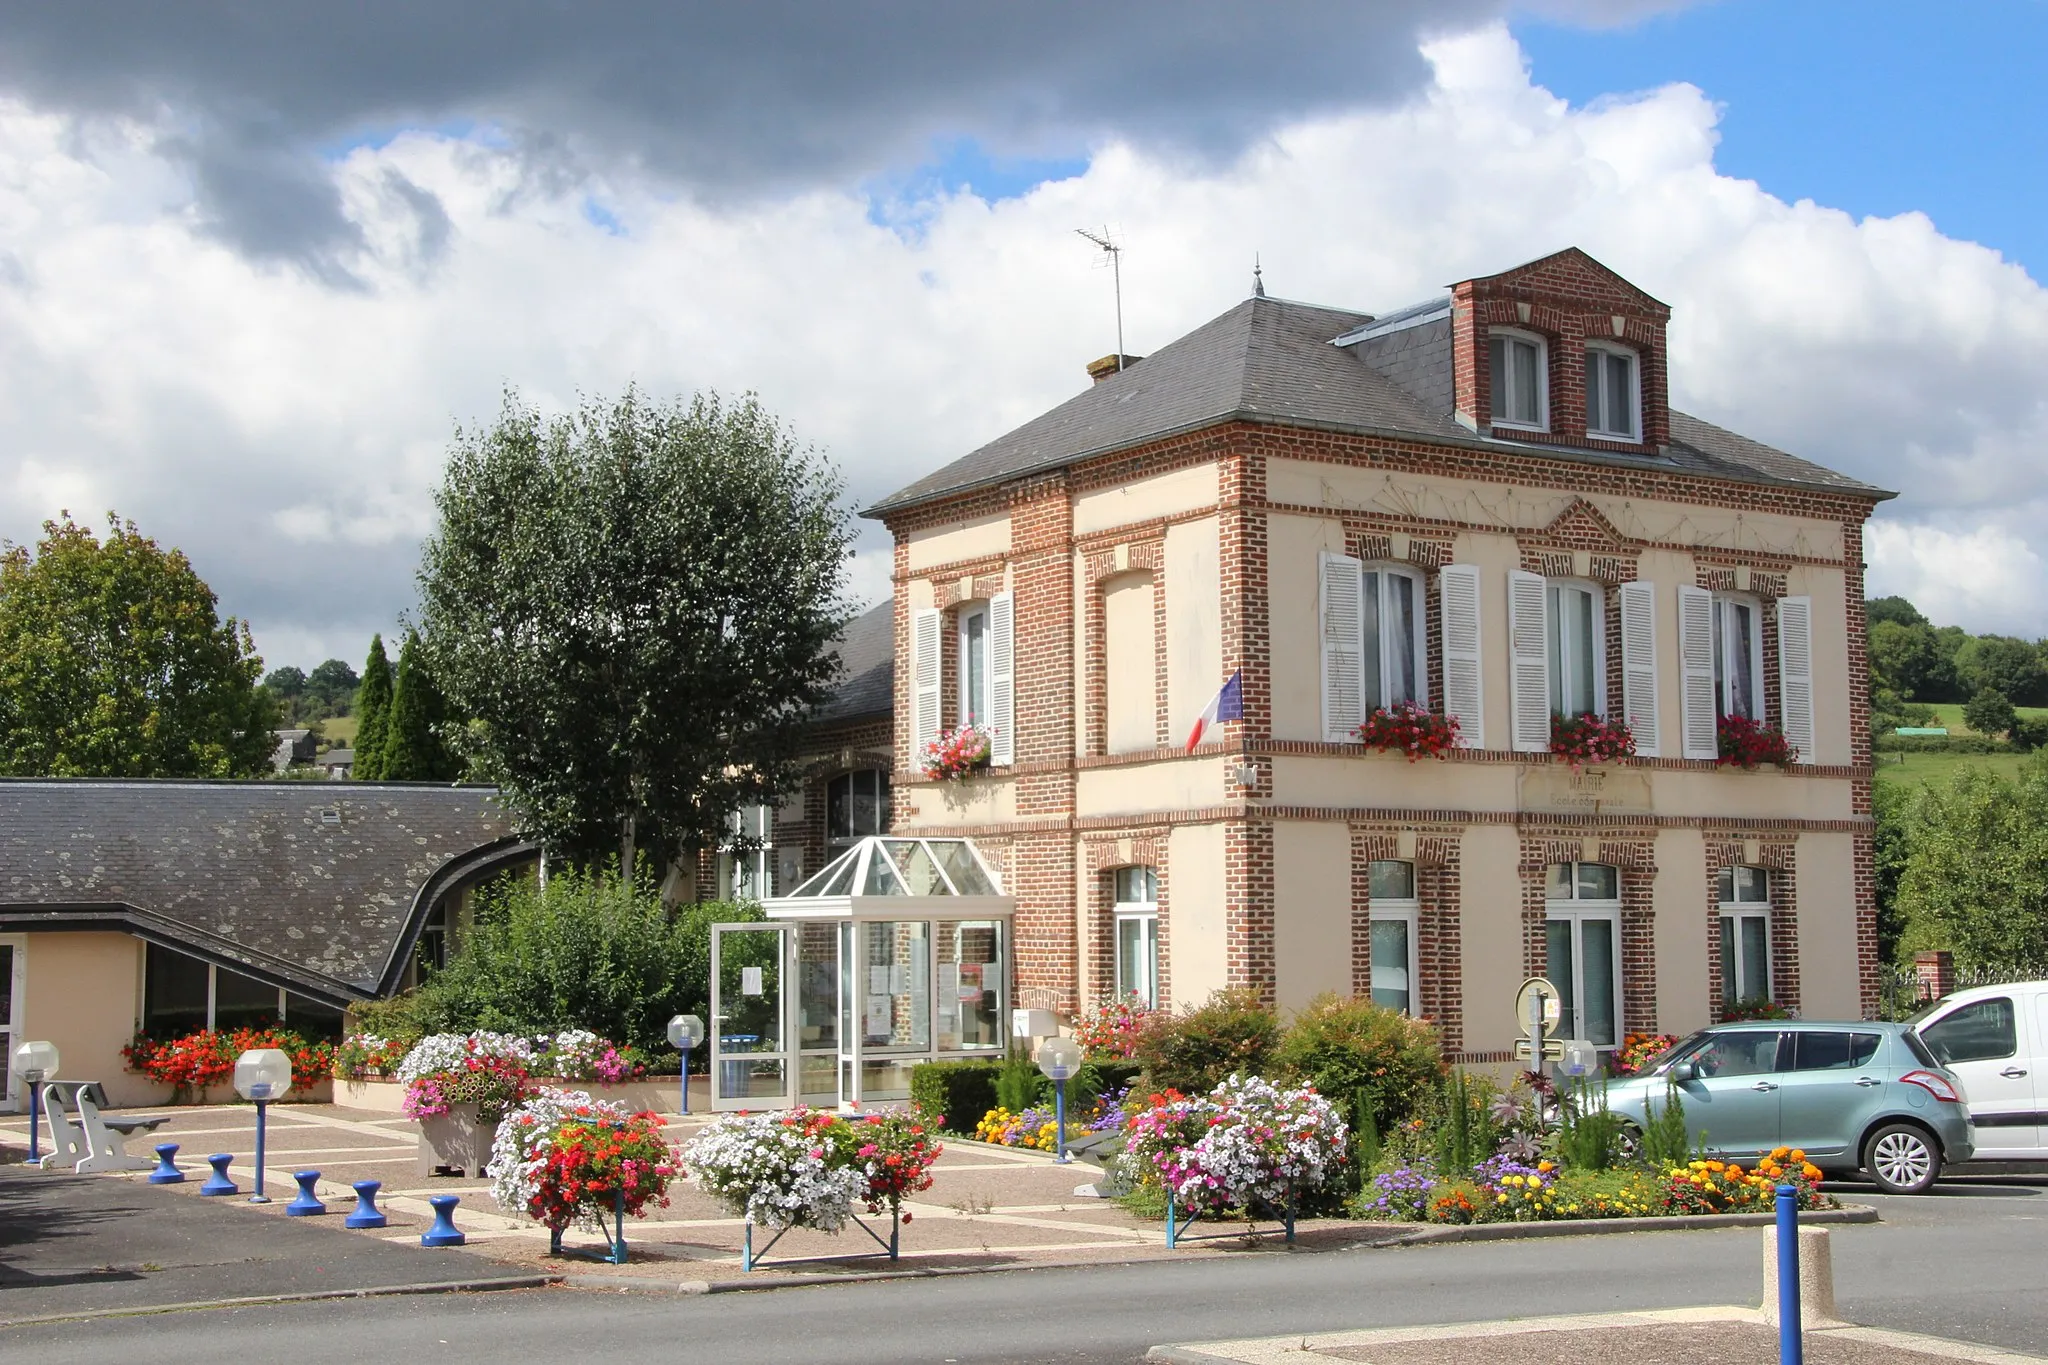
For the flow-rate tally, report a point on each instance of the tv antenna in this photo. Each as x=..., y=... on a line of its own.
x=1114, y=250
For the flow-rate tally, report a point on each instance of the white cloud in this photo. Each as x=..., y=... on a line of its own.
x=289, y=434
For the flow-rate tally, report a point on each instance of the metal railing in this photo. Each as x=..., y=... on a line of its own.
x=1901, y=990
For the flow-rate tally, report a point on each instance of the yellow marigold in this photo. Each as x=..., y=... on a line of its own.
x=1545, y=1166
x=1810, y=1171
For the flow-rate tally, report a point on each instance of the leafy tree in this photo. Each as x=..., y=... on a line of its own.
x=1894, y=609
x=114, y=663
x=1976, y=880
x=631, y=605
x=1990, y=713
x=2003, y=664
x=1891, y=804
x=585, y=951
x=287, y=682
x=373, y=703
x=1909, y=660
x=334, y=684
x=413, y=748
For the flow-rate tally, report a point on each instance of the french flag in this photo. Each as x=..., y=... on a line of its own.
x=1226, y=705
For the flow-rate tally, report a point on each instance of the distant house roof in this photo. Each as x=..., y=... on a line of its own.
x=315, y=887
x=289, y=745
x=867, y=662
x=1270, y=359
x=337, y=758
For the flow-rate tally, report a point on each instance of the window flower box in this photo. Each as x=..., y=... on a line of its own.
x=1746, y=742
x=1590, y=738
x=1409, y=729
x=956, y=754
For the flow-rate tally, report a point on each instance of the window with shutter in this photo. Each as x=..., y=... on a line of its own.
x=1343, y=648
x=1639, y=664
x=926, y=630
x=1002, y=678
x=1458, y=587
x=1795, y=673
x=1696, y=672
x=1528, y=661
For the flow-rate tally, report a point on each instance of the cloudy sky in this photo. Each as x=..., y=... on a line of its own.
x=256, y=263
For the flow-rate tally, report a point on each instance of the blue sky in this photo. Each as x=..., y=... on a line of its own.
x=1876, y=107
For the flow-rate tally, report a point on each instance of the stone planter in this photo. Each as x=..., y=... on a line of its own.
x=456, y=1141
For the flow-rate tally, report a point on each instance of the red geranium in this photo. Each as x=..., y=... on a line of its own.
x=1745, y=742
x=1411, y=729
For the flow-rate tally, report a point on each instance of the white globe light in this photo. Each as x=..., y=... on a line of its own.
x=263, y=1073
x=685, y=1031
x=36, y=1061
x=1059, y=1058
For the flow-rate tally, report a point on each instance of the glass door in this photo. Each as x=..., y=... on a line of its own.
x=750, y=1051
x=13, y=962
x=817, y=1012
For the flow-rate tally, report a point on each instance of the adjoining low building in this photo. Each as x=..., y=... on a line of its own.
x=166, y=907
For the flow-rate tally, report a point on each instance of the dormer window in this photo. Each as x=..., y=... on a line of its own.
x=1521, y=380
x=1613, y=405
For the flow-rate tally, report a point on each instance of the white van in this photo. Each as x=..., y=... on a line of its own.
x=1995, y=1039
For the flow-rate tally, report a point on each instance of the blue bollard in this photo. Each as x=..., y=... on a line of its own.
x=218, y=1182
x=1791, y=1341
x=444, y=1233
x=306, y=1203
x=166, y=1172
x=367, y=1214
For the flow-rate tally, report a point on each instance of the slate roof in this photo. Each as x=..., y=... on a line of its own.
x=867, y=661
x=314, y=885
x=1273, y=359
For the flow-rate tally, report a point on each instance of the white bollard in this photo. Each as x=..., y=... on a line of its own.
x=1816, y=1279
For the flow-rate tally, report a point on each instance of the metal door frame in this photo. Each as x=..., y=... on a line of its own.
x=784, y=1053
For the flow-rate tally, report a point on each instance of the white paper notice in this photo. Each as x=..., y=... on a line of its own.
x=949, y=979
x=750, y=981
x=878, y=1016
x=878, y=980
x=899, y=979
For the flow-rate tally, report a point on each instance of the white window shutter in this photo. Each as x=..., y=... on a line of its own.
x=1529, y=661
x=1639, y=664
x=1795, y=673
x=1343, y=617
x=1696, y=672
x=1464, y=696
x=1002, y=678
x=926, y=630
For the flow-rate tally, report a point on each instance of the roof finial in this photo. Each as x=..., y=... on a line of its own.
x=1258, y=282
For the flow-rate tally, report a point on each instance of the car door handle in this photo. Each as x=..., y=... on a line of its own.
x=1763, y=1085
x=2013, y=1073
x=1868, y=1081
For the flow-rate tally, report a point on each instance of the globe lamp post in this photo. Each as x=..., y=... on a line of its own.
x=35, y=1063
x=263, y=1075
x=685, y=1031
x=1059, y=1058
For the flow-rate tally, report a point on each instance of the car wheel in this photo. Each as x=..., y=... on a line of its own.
x=1628, y=1142
x=1901, y=1159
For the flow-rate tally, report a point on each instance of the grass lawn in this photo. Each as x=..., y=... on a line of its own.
x=340, y=731
x=1919, y=769
x=1950, y=713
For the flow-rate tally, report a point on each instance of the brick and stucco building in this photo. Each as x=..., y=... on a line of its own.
x=1483, y=504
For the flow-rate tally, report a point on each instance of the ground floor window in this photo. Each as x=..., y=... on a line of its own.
x=182, y=994
x=1745, y=895
x=1582, y=941
x=1395, y=914
x=1137, y=934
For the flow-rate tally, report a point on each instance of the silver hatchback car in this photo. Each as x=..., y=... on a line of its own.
x=1866, y=1095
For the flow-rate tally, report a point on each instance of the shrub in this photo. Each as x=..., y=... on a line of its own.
x=1345, y=1047
x=1463, y=1127
x=1110, y=1030
x=585, y=952
x=1990, y=712
x=1665, y=1141
x=2029, y=733
x=954, y=1095
x=1588, y=1133
x=1197, y=1048
x=1940, y=744
x=1017, y=1081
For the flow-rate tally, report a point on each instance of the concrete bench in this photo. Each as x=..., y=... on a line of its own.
x=85, y=1139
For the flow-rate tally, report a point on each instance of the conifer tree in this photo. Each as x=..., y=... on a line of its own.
x=413, y=752
x=373, y=706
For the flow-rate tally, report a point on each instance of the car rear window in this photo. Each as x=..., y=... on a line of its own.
x=1980, y=1031
x=1826, y=1051
x=1918, y=1049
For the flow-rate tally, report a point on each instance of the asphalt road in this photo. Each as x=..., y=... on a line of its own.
x=1969, y=1262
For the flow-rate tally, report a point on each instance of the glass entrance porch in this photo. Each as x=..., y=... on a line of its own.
x=896, y=952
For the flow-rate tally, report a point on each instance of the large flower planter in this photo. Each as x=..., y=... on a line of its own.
x=457, y=1141
x=658, y=1093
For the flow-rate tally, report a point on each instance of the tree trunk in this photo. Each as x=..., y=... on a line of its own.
x=626, y=839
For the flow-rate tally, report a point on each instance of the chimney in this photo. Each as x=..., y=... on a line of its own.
x=1099, y=370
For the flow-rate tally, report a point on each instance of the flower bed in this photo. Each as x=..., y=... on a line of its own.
x=363, y=1055
x=196, y=1061
x=1112, y=1028
x=809, y=1167
x=1590, y=738
x=1409, y=729
x=1037, y=1128
x=1744, y=742
x=955, y=754
x=1638, y=1050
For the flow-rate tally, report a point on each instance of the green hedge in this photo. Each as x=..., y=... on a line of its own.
x=1939, y=744
x=958, y=1093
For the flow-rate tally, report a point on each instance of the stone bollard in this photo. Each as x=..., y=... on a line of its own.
x=367, y=1214
x=218, y=1182
x=1816, y=1279
x=166, y=1172
x=307, y=1203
